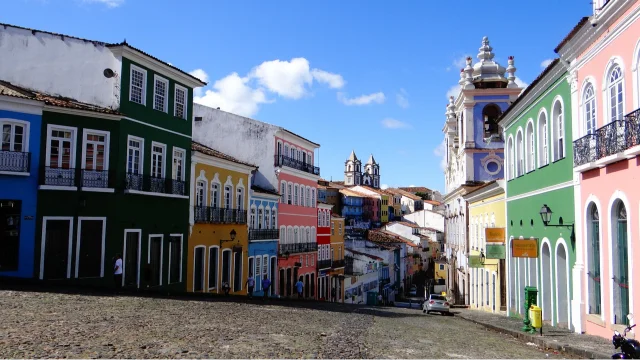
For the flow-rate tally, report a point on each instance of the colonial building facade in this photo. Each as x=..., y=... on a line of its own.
x=324, y=250
x=263, y=237
x=474, y=150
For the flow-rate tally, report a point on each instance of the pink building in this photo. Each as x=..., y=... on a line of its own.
x=297, y=213
x=603, y=52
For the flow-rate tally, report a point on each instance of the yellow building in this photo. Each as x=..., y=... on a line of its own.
x=395, y=200
x=487, y=247
x=384, y=213
x=337, y=256
x=218, y=241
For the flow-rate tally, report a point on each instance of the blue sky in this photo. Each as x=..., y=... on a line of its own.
x=372, y=75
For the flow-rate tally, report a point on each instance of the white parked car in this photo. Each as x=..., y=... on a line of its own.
x=437, y=303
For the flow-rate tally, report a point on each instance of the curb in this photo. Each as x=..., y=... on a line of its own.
x=566, y=348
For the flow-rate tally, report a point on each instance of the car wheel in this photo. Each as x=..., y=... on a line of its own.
x=443, y=313
x=424, y=311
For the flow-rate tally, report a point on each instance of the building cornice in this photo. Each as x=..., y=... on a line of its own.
x=76, y=112
x=26, y=106
x=497, y=188
x=296, y=139
x=259, y=195
x=200, y=158
x=325, y=206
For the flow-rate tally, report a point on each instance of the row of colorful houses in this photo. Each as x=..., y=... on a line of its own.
x=104, y=154
x=566, y=203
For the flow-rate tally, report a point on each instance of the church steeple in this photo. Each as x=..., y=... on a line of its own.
x=352, y=170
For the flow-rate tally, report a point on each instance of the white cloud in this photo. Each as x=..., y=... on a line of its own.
x=234, y=94
x=363, y=99
x=521, y=83
x=285, y=78
x=454, y=91
x=384, y=186
x=546, y=63
x=109, y=3
x=394, y=124
x=412, y=185
x=335, y=81
x=458, y=63
x=202, y=75
x=441, y=151
x=401, y=99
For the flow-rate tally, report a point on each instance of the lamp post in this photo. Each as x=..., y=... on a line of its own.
x=482, y=257
x=232, y=235
x=545, y=215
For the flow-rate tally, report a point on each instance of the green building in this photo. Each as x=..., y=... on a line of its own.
x=537, y=128
x=113, y=179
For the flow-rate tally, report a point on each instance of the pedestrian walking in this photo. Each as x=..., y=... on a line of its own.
x=250, y=284
x=117, y=272
x=225, y=288
x=380, y=299
x=299, y=286
x=266, y=283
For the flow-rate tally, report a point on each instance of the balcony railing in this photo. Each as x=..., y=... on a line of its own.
x=281, y=160
x=324, y=264
x=613, y=138
x=336, y=264
x=154, y=184
x=298, y=248
x=212, y=215
x=95, y=178
x=263, y=234
x=56, y=176
x=14, y=161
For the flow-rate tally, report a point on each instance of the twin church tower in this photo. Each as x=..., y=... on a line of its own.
x=353, y=174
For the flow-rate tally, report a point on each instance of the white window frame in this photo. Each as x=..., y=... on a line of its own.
x=44, y=238
x=274, y=217
x=25, y=135
x=607, y=91
x=164, y=159
x=520, y=153
x=240, y=191
x=267, y=217
x=260, y=217
x=589, y=117
x=74, y=143
x=253, y=213
x=216, y=195
x=104, y=233
x=296, y=194
x=543, y=138
x=141, y=162
x=165, y=96
x=530, y=146
x=144, y=84
x=511, y=155
x=231, y=195
x=107, y=139
x=161, y=236
x=201, y=185
x=205, y=274
x=175, y=101
x=169, y=267
x=173, y=163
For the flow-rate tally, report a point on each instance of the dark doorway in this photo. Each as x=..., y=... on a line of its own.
x=288, y=282
x=198, y=274
x=307, y=285
x=10, y=212
x=503, y=286
x=175, y=259
x=226, y=267
x=282, y=283
x=90, y=248
x=237, y=271
x=56, y=248
x=272, y=275
x=131, y=276
x=155, y=260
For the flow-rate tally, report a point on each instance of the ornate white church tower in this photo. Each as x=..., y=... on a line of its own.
x=371, y=176
x=352, y=170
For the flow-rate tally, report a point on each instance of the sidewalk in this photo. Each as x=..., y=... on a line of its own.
x=584, y=346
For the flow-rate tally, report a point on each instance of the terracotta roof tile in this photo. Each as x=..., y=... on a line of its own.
x=348, y=192
x=433, y=202
x=415, y=189
x=406, y=223
x=215, y=153
x=365, y=254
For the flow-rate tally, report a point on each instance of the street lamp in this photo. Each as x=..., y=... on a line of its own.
x=482, y=257
x=232, y=235
x=545, y=215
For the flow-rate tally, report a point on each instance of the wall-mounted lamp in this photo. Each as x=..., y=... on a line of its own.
x=546, y=213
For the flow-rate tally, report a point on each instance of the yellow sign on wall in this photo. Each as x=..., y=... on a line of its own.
x=521, y=248
x=494, y=235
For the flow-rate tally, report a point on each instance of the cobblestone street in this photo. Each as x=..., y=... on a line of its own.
x=72, y=326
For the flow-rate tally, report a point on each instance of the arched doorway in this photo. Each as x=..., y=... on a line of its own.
x=512, y=281
x=562, y=280
x=620, y=264
x=594, y=286
x=522, y=281
x=547, y=286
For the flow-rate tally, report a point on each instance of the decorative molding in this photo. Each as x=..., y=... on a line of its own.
x=156, y=127
x=558, y=186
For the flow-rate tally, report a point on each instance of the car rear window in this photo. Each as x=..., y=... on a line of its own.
x=438, y=297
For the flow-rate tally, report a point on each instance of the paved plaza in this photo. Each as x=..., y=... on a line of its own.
x=54, y=325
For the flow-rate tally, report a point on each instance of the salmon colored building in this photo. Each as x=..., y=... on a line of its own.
x=298, y=218
x=603, y=52
x=324, y=250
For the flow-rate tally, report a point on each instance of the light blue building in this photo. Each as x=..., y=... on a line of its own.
x=263, y=237
x=20, y=126
x=352, y=206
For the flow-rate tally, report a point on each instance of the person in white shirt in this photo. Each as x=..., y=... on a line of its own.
x=117, y=271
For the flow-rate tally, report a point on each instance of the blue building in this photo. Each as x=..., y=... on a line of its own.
x=263, y=237
x=352, y=205
x=20, y=124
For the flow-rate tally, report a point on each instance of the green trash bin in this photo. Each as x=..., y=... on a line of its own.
x=530, y=298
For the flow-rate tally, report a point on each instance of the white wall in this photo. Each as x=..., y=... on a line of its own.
x=246, y=139
x=71, y=68
x=404, y=231
x=426, y=218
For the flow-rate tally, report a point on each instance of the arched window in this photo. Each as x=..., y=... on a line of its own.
x=593, y=273
x=543, y=141
x=530, y=147
x=286, y=150
x=490, y=115
x=511, y=158
x=296, y=188
x=589, y=109
x=215, y=195
x=615, y=94
x=252, y=217
x=519, y=154
x=558, y=131
x=201, y=196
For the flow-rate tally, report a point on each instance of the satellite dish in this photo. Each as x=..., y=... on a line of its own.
x=108, y=73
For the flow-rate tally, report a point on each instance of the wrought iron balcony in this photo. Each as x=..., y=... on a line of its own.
x=263, y=234
x=336, y=264
x=212, y=215
x=324, y=264
x=285, y=249
x=149, y=183
x=281, y=160
x=56, y=176
x=15, y=161
x=95, y=178
x=611, y=139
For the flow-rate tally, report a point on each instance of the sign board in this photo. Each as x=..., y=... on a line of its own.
x=494, y=235
x=524, y=248
x=496, y=251
x=474, y=261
